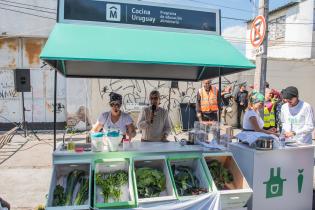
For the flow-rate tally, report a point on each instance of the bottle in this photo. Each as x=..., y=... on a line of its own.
x=282, y=140
x=71, y=145
x=126, y=144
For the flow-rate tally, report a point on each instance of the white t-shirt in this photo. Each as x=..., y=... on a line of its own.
x=121, y=124
x=247, y=125
x=299, y=119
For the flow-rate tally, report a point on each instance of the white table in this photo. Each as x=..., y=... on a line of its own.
x=280, y=179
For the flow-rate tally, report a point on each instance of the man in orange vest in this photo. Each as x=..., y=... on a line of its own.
x=207, y=102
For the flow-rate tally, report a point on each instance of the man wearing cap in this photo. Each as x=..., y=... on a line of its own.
x=297, y=116
x=207, y=102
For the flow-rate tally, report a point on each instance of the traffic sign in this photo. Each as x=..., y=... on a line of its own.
x=258, y=31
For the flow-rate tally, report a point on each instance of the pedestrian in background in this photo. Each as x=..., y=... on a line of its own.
x=226, y=96
x=269, y=110
x=242, y=103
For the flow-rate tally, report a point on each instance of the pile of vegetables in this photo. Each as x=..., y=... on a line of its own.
x=150, y=182
x=186, y=182
x=59, y=198
x=111, y=183
x=220, y=175
x=64, y=197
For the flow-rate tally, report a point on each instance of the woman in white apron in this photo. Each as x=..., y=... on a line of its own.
x=115, y=118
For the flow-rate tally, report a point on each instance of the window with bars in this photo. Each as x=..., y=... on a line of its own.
x=277, y=28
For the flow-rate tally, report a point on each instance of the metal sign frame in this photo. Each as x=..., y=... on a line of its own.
x=61, y=18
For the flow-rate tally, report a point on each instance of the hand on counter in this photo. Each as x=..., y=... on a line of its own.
x=289, y=134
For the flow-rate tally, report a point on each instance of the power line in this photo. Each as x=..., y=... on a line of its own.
x=31, y=5
x=242, y=38
x=26, y=8
x=227, y=7
x=27, y=13
x=233, y=18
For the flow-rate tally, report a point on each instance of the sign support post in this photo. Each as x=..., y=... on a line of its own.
x=261, y=60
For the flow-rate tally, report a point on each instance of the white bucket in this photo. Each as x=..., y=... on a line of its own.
x=113, y=143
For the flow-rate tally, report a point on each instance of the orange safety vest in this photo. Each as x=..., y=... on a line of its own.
x=209, y=101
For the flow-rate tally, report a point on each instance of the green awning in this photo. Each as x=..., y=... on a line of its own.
x=78, y=50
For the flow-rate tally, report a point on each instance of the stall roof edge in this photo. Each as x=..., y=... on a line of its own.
x=93, y=51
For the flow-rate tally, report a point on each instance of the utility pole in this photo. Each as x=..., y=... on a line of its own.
x=261, y=60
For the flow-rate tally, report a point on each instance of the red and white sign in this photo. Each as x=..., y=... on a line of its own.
x=258, y=31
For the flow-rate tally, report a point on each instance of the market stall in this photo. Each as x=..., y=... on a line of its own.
x=100, y=39
x=280, y=178
x=186, y=173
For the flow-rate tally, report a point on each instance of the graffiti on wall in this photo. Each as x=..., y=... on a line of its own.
x=80, y=120
x=7, y=90
x=137, y=91
x=59, y=107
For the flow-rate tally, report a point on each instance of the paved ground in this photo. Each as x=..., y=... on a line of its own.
x=25, y=176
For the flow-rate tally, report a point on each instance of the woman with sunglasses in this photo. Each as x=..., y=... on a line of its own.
x=116, y=118
x=153, y=121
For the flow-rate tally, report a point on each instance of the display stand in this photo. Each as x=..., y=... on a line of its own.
x=280, y=179
x=153, y=154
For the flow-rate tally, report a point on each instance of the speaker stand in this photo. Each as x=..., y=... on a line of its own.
x=23, y=112
x=25, y=124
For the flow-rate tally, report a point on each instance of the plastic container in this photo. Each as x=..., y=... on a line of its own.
x=97, y=142
x=59, y=177
x=158, y=163
x=236, y=193
x=113, y=143
x=127, y=198
x=126, y=144
x=195, y=164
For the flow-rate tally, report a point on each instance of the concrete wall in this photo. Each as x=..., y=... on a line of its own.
x=14, y=21
x=299, y=73
x=298, y=37
x=24, y=53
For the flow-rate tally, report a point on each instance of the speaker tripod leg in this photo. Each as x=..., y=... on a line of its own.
x=24, y=124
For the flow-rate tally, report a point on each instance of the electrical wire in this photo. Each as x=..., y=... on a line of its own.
x=38, y=10
x=27, y=13
x=219, y=5
x=31, y=5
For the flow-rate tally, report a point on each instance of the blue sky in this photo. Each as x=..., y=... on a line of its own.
x=242, y=9
x=242, y=5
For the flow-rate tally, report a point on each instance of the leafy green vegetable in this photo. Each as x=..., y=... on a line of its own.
x=150, y=182
x=111, y=183
x=186, y=182
x=83, y=193
x=72, y=179
x=59, y=198
x=220, y=175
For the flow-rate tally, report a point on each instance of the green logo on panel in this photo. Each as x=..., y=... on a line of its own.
x=300, y=180
x=274, y=186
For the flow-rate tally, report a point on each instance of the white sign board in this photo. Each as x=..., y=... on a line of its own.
x=259, y=51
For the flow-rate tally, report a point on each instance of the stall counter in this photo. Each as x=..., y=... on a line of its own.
x=172, y=153
x=280, y=179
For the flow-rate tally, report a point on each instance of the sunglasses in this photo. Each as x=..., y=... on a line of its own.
x=115, y=104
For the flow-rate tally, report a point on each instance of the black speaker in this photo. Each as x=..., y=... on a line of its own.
x=22, y=80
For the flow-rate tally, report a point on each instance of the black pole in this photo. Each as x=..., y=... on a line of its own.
x=220, y=96
x=23, y=111
x=55, y=107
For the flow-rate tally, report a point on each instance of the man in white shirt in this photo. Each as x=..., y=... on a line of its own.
x=297, y=116
x=153, y=121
